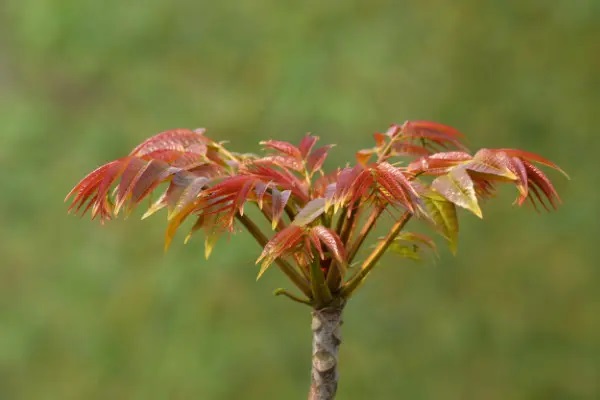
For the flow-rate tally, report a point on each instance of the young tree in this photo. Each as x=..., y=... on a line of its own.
x=319, y=219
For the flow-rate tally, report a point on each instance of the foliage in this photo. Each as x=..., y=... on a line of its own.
x=320, y=219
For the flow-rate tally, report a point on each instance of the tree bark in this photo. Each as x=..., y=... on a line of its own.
x=326, y=329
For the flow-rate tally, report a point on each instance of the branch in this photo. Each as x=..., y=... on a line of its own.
x=283, y=265
x=369, y=223
x=370, y=262
x=320, y=290
x=283, y=292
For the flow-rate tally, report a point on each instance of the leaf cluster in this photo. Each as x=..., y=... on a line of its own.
x=319, y=219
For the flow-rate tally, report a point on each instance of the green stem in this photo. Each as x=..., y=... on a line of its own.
x=334, y=277
x=290, y=212
x=283, y=292
x=283, y=265
x=370, y=262
x=348, y=224
x=320, y=290
x=369, y=223
x=344, y=229
x=341, y=219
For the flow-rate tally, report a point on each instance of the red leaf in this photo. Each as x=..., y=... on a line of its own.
x=363, y=156
x=283, y=147
x=441, y=135
x=396, y=184
x=491, y=163
x=306, y=144
x=182, y=159
x=87, y=186
x=517, y=167
x=242, y=196
x=401, y=148
x=181, y=140
x=438, y=163
x=532, y=157
x=316, y=241
x=184, y=205
x=155, y=173
x=380, y=139
x=282, y=178
x=281, y=161
x=428, y=126
x=260, y=189
x=345, y=185
x=334, y=244
x=538, y=179
x=317, y=158
x=188, y=193
x=134, y=168
x=283, y=242
x=393, y=131
x=278, y=202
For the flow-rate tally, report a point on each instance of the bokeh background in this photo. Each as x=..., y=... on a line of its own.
x=91, y=312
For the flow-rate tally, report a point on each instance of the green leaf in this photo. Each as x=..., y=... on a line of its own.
x=310, y=212
x=443, y=214
x=209, y=242
x=409, y=244
x=410, y=251
x=457, y=187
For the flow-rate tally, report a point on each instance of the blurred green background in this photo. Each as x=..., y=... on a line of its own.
x=91, y=312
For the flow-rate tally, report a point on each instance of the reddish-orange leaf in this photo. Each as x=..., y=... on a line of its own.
x=380, y=139
x=538, y=179
x=283, y=147
x=88, y=185
x=135, y=167
x=438, y=163
x=278, y=202
x=408, y=149
x=517, y=167
x=363, y=156
x=184, y=203
x=281, y=161
x=284, y=242
x=397, y=187
x=176, y=158
x=175, y=139
x=317, y=158
x=260, y=189
x=306, y=144
x=492, y=164
x=316, y=241
x=532, y=157
x=393, y=130
x=432, y=133
x=435, y=127
x=282, y=178
x=153, y=175
x=242, y=196
x=345, y=186
x=334, y=244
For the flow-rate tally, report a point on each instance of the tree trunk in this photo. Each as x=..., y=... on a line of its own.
x=326, y=329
